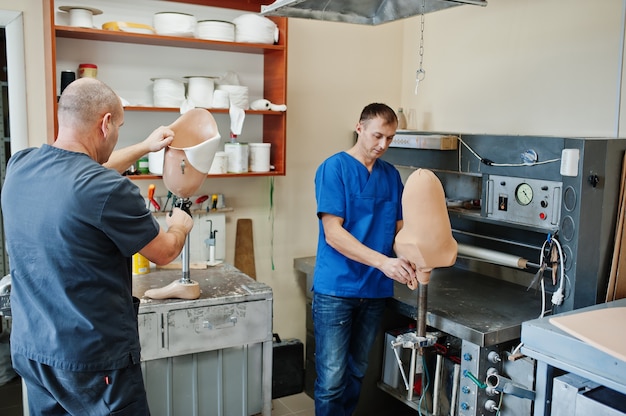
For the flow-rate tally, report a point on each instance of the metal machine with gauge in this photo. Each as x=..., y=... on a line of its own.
x=510, y=198
x=524, y=201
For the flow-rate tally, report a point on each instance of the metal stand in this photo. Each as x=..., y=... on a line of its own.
x=185, y=204
x=184, y=288
x=415, y=340
x=185, y=279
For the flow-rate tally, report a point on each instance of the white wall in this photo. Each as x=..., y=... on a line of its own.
x=536, y=67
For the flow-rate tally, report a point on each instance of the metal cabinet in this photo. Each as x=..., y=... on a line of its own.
x=210, y=356
x=557, y=352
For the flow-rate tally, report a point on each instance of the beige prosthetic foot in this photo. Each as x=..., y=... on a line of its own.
x=176, y=290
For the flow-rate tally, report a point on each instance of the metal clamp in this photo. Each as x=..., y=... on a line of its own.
x=412, y=341
x=184, y=204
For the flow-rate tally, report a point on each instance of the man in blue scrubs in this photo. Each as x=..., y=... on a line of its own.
x=72, y=226
x=359, y=206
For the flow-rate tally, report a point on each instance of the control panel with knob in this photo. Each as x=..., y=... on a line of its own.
x=529, y=202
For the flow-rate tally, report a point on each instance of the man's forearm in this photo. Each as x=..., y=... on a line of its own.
x=121, y=159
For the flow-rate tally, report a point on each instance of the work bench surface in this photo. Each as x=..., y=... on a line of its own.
x=472, y=306
x=466, y=304
x=218, y=284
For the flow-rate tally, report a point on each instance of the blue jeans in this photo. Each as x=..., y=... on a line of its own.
x=345, y=329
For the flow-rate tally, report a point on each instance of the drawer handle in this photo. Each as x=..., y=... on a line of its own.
x=232, y=321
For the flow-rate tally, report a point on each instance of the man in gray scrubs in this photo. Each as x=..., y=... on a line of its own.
x=72, y=226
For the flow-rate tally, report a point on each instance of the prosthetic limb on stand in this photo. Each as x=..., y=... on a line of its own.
x=426, y=241
x=186, y=163
x=184, y=288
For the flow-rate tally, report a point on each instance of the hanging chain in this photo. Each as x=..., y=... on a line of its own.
x=421, y=73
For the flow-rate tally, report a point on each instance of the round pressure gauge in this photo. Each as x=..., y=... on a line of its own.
x=524, y=194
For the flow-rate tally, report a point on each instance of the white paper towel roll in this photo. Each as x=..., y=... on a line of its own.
x=492, y=256
x=569, y=162
x=200, y=91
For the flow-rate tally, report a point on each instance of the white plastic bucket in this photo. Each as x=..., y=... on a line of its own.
x=237, y=157
x=220, y=163
x=260, y=157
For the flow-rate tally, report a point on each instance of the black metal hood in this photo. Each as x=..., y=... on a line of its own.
x=366, y=12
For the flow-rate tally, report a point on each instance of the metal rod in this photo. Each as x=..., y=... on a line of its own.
x=456, y=379
x=438, y=370
x=409, y=395
x=185, y=204
x=422, y=298
x=500, y=240
x=185, y=260
x=399, y=361
x=528, y=263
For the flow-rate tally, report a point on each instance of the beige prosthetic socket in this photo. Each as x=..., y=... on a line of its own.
x=188, y=159
x=426, y=236
x=175, y=290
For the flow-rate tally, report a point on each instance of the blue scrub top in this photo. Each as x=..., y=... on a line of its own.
x=71, y=227
x=370, y=205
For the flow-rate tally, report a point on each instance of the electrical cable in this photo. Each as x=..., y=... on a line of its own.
x=565, y=293
x=543, y=299
x=500, y=404
x=271, y=219
x=543, y=285
x=490, y=162
x=558, y=296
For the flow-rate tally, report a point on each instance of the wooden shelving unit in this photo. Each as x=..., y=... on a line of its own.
x=274, y=71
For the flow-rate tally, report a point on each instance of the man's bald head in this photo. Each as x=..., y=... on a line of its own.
x=85, y=101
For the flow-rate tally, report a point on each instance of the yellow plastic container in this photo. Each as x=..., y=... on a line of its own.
x=141, y=265
x=88, y=71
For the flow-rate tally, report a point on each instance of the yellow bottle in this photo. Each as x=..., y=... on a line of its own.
x=141, y=265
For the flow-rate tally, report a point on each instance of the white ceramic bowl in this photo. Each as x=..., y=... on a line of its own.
x=252, y=28
x=216, y=30
x=174, y=24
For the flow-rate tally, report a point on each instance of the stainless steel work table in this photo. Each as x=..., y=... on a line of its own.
x=218, y=284
x=471, y=306
x=556, y=349
x=208, y=356
x=465, y=304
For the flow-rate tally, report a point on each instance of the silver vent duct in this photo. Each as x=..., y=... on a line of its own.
x=365, y=12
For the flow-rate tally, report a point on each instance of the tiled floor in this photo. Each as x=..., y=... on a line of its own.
x=298, y=404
